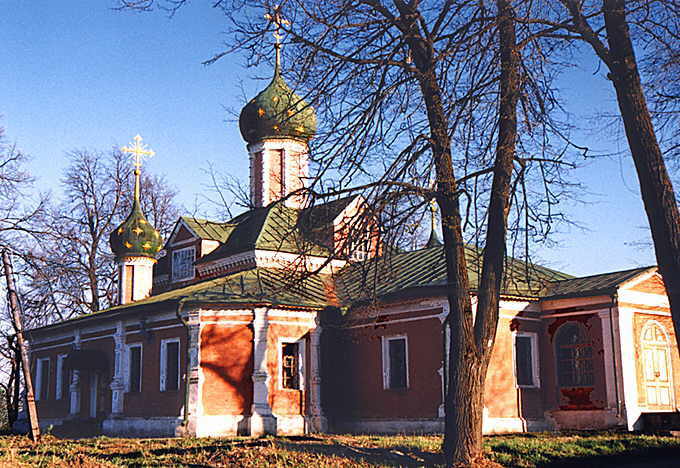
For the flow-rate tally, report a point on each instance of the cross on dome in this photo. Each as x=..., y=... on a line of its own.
x=279, y=21
x=138, y=150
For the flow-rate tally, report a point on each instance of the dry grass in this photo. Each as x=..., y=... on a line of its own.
x=529, y=450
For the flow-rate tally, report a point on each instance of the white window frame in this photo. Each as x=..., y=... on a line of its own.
x=39, y=363
x=128, y=347
x=301, y=362
x=58, y=394
x=163, y=363
x=192, y=273
x=535, y=367
x=386, y=360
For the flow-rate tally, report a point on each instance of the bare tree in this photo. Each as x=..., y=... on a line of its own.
x=404, y=89
x=612, y=28
x=72, y=271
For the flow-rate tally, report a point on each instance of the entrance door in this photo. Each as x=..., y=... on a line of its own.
x=94, y=384
x=657, y=367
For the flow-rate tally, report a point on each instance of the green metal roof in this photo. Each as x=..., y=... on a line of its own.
x=209, y=230
x=274, y=227
x=270, y=286
x=588, y=285
x=426, y=268
x=135, y=237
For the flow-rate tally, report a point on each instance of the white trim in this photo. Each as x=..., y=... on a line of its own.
x=639, y=278
x=163, y=364
x=128, y=347
x=192, y=274
x=649, y=299
x=301, y=362
x=386, y=360
x=571, y=314
x=180, y=222
x=628, y=367
x=39, y=363
x=535, y=367
x=59, y=377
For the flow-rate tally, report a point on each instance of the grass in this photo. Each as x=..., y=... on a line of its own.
x=525, y=450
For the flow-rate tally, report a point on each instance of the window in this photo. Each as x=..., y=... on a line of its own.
x=134, y=368
x=183, y=264
x=170, y=365
x=42, y=380
x=291, y=362
x=574, y=354
x=395, y=362
x=62, y=378
x=526, y=360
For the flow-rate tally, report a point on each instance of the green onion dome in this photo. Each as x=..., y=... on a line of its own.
x=277, y=112
x=135, y=237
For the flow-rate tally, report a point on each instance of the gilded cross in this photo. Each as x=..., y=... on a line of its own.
x=276, y=18
x=138, y=150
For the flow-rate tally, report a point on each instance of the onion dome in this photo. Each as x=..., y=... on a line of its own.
x=277, y=112
x=135, y=237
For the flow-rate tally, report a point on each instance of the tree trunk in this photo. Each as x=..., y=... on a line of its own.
x=655, y=184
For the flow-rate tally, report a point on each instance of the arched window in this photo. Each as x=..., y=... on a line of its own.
x=574, y=354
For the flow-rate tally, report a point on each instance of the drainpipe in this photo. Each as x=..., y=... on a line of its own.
x=178, y=312
x=614, y=299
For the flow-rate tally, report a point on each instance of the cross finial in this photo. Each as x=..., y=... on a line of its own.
x=138, y=150
x=279, y=21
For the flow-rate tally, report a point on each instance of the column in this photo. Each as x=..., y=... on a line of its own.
x=318, y=422
x=262, y=420
x=193, y=410
x=118, y=380
x=74, y=387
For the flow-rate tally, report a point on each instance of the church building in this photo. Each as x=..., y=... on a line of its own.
x=275, y=322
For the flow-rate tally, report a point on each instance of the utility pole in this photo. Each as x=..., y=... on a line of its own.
x=15, y=306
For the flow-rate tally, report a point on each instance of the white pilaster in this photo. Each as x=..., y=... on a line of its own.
x=194, y=379
x=628, y=370
x=262, y=420
x=74, y=387
x=117, y=382
x=318, y=422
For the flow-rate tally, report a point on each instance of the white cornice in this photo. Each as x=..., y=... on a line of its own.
x=271, y=259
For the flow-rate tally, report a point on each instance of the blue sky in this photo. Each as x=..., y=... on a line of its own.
x=77, y=74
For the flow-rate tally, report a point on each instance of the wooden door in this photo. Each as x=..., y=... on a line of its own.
x=656, y=362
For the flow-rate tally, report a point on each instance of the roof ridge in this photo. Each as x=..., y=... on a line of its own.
x=606, y=273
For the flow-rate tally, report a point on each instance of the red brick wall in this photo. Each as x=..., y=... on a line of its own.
x=502, y=397
x=285, y=401
x=151, y=401
x=353, y=373
x=227, y=365
x=51, y=407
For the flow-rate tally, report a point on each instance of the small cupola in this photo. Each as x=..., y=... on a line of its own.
x=135, y=242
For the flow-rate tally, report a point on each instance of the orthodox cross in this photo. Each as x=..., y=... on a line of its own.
x=138, y=151
x=279, y=21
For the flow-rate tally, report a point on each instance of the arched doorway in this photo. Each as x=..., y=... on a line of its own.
x=656, y=367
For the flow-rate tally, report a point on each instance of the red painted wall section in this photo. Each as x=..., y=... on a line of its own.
x=557, y=398
x=227, y=366
x=353, y=371
x=151, y=401
x=502, y=397
x=286, y=401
